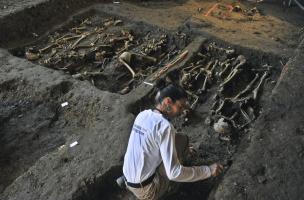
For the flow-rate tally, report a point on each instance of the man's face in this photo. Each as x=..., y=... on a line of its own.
x=178, y=107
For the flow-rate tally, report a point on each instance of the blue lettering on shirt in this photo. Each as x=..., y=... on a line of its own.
x=138, y=129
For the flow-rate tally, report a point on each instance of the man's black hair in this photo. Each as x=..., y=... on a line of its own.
x=174, y=91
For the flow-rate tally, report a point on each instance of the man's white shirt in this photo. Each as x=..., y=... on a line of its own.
x=151, y=142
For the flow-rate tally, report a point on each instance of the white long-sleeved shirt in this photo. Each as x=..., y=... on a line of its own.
x=151, y=142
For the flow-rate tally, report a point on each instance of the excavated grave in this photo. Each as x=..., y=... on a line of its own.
x=198, y=124
x=89, y=46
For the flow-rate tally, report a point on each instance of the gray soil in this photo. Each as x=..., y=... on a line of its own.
x=263, y=160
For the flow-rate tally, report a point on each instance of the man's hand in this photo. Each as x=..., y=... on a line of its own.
x=216, y=169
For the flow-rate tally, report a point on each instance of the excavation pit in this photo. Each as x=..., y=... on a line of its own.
x=89, y=47
x=235, y=102
x=38, y=163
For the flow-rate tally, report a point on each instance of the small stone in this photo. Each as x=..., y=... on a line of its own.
x=64, y=104
x=73, y=144
x=222, y=127
x=208, y=121
x=125, y=90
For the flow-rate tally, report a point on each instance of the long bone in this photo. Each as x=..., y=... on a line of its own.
x=235, y=71
x=248, y=120
x=189, y=67
x=195, y=97
x=203, y=88
x=216, y=62
x=208, y=73
x=83, y=36
x=256, y=90
x=242, y=60
x=66, y=37
x=79, y=75
x=205, y=84
x=248, y=87
x=127, y=45
x=213, y=105
x=47, y=47
x=221, y=106
x=123, y=59
x=196, y=67
x=233, y=115
x=227, y=63
x=170, y=65
x=198, y=74
x=245, y=115
x=117, y=39
x=206, y=68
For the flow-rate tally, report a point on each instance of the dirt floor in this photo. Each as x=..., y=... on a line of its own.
x=244, y=65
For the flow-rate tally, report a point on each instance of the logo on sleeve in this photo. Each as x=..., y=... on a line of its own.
x=139, y=129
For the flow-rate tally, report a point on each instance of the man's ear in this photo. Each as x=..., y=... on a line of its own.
x=167, y=101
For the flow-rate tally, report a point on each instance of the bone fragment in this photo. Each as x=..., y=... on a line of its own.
x=233, y=73
x=195, y=97
x=124, y=58
x=79, y=75
x=171, y=64
x=245, y=115
x=248, y=87
x=221, y=106
x=205, y=84
x=47, y=47
x=79, y=40
x=256, y=90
